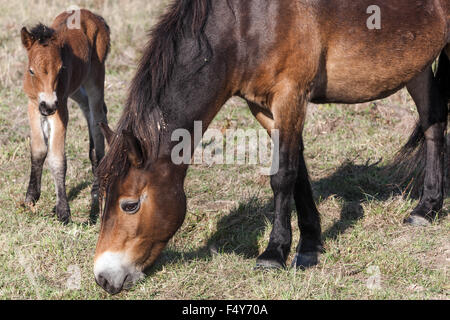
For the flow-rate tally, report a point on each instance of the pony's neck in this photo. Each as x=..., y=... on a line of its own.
x=190, y=99
x=197, y=88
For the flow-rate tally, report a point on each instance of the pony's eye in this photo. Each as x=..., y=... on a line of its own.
x=31, y=72
x=130, y=207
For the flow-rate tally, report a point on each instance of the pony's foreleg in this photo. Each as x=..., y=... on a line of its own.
x=310, y=244
x=288, y=109
x=57, y=159
x=432, y=109
x=38, y=153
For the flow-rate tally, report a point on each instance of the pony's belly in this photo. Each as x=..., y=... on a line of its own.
x=363, y=64
x=358, y=87
x=354, y=78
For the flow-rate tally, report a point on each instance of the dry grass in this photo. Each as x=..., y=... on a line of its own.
x=229, y=208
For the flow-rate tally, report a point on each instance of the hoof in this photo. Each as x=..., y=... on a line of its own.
x=29, y=206
x=268, y=265
x=417, y=221
x=65, y=220
x=305, y=260
x=63, y=215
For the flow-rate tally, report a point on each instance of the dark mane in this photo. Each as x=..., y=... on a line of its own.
x=142, y=115
x=42, y=33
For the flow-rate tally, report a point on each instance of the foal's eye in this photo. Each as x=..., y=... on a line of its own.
x=31, y=72
x=130, y=207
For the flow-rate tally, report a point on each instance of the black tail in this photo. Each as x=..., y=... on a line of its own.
x=411, y=158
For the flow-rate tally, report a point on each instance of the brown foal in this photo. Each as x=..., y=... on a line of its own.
x=64, y=62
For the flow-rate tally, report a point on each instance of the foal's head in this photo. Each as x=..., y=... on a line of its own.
x=45, y=67
x=144, y=205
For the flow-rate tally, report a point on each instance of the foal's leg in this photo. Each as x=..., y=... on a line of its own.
x=432, y=110
x=310, y=244
x=288, y=109
x=81, y=98
x=57, y=159
x=95, y=90
x=38, y=153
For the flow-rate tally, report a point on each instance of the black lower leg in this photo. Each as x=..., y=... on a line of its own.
x=34, y=186
x=281, y=236
x=96, y=155
x=310, y=244
x=432, y=108
x=432, y=196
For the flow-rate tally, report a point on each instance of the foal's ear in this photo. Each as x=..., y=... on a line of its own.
x=107, y=132
x=134, y=150
x=27, y=38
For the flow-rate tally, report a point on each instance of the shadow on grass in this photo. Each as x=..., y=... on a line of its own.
x=355, y=184
x=75, y=191
x=94, y=207
x=239, y=231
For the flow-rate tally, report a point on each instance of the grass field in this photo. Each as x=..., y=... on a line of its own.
x=370, y=254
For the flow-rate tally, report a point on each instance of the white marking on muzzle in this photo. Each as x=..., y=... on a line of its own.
x=49, y=99
x=115, y=267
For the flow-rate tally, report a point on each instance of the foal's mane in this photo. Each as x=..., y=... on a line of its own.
x=42, y=33
x=142, y=115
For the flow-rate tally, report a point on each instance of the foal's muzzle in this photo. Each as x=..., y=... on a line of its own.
x=47, y=110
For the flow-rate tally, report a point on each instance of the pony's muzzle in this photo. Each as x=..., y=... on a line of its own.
x=114, y=273
x=48, y=110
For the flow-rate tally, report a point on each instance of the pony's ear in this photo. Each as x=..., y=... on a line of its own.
x=134, y=150
x=107, y=132
x=27, y=38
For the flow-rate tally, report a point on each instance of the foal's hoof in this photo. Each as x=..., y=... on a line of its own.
x=268, y=265
x=65, y=220
x=29, y=205
x=63, y=216
x=417, y=221
x=305, y=260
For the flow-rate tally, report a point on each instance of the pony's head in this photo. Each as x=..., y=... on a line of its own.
x=144, y=206
x=142, y=188
x=45, y=67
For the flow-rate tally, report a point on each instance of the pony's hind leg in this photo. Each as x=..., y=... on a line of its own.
x=38, y=153
x=432, y=108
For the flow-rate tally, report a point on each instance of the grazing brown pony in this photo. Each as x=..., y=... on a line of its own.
x=278, y=55
x=64, y=62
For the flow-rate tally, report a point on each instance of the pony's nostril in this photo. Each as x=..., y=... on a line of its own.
x=42, y=105
x=103, y=282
